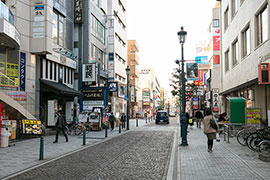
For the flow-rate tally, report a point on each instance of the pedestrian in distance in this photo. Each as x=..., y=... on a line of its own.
x=198, y=116
x=123, y=120
x=187, y=121
x=60, y=125
x=112, y=120
x=209, y=131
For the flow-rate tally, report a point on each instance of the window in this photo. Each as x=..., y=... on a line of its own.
x=262, y=25
x=226, y=19
x=97, y=29
x=246, y=41
x=234, y=7
x=58, y=29
x=235, y=52
x=215, y=23
x=227, y=60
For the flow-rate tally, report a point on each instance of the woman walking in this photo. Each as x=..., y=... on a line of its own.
x=209, y=131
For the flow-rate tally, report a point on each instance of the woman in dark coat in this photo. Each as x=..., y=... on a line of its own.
x=208, y=130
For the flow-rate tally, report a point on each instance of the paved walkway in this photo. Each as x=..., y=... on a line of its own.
x=229, y=161
x=25, y=154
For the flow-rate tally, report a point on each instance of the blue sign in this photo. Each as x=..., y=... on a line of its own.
x=195, y=99
x=126, y=98
x=111, y=56
x=113, y=86
x=202, y=59
x=22, y=71
x=39, y=7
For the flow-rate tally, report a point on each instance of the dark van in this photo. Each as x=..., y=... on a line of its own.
x=162, y=116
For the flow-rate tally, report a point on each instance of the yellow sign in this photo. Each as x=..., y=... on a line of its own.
x=31, y=121
x=253, y=116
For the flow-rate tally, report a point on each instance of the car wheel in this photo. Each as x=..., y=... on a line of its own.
x=168, y=122
x=156, y=122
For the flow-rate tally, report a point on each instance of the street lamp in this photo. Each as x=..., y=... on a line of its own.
x=127, y=71
x=182, y=36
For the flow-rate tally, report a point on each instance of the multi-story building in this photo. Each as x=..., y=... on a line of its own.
x=245, y=45
x=151, y=90
x=91, y=45
x=117, y=52
x=40, y=58
x=133, y=62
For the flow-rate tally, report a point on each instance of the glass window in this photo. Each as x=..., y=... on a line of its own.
x=61, y=31
x=262, y=26
x=216, y=23
x=98, y=30
x=246, y=42
x=235, y=52
x=227, y=60
x=226, y=19
x=55, y=28
x=234, y=7
x=2, y=60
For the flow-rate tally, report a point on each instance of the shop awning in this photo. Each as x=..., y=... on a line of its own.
x=241, y=86
x=14, y=105
x=58, y=88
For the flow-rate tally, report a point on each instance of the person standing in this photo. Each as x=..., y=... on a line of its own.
x=123, y=120
x=208, y=130
x=199, y=117
x=60, y=125
x=112, y=120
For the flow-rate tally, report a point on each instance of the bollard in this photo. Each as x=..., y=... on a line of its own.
x=84, y=137
x=137, y=122
x=106, y=131
x=41, y=149
x=146, y=120
x=120, y=127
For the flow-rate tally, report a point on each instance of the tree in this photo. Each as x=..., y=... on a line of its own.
x=176, y=83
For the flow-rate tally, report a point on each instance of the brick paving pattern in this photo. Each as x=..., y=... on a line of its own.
x=134, y=155
x=229, y=161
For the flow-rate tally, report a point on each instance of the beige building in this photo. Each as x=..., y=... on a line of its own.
x=133, y=62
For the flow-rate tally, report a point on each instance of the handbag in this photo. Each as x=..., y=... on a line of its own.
x=213, y=124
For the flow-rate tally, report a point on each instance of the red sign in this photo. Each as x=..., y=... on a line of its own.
x=216, y=43
x=199, y=82
x=216, y=59
x=215, y=109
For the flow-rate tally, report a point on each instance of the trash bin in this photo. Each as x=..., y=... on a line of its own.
x=5, y=137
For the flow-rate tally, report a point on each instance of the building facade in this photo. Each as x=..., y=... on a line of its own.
x=133, y=63
x=245, y=45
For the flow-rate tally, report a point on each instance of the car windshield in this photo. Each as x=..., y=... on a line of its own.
x=161, y=114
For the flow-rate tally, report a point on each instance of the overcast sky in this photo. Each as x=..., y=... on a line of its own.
x=155, y=23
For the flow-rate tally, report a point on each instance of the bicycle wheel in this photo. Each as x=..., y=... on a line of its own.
x=241, y=137
x=68, y=130
x=264, y=148
x=253, y=141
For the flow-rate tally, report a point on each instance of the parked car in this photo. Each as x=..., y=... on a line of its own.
x=162, y=116
x=172, y=114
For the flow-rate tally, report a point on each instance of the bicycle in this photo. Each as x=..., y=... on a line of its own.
x=244, y=133
x=264, y=147
x=254, y=139
x=74, y=129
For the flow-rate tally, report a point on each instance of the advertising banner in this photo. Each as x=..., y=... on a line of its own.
x=253, y=116
x=31, y=127
x=200, y=81
x=122, y=91
x=22, y=71
x=192, y=71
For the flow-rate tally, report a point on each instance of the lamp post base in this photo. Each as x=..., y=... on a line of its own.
x=184, y=130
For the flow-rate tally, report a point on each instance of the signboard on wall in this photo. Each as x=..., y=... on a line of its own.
x=89, y=72
x=78, y=11
x=253, y=116
x=216, y=39
x=113, y=86
x=264, y=73
x=22, y=71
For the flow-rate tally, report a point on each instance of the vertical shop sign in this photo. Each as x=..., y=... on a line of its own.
x=216, y=39
x=200, y=81
x=78, y=11
x=215, y=98
x=22, y=71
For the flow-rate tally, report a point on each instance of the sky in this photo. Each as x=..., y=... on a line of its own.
x=154, y=25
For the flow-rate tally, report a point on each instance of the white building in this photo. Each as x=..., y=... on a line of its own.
x=245, y=44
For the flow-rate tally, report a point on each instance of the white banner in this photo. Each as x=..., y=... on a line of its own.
x=89, y=72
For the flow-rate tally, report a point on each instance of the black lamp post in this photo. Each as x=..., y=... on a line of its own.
x=183, y=120
x=127, y=71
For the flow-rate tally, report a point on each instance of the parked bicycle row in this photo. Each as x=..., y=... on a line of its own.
x=257, y=140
